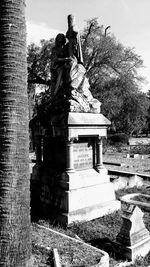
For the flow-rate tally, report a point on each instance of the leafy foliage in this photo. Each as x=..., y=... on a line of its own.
x=133, y=114
x=118, y=138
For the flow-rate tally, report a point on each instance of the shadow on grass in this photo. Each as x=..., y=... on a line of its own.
x=113, y=249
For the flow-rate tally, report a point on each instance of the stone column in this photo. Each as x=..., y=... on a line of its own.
x=99, y=154
x=69, y=146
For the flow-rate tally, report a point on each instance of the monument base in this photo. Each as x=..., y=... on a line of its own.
x=83, y=178
x=84, y=195
x=132, y=252
x=87, y=213
x=75, y=186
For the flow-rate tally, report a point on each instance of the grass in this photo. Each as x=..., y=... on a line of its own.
x=100, y=232
x=41, y=257
x=142, y=198
x=71, y=253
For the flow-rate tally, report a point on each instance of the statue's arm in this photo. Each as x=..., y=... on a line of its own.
x=56, y=59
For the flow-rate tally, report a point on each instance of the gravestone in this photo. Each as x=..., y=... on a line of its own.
x=133, y=238
x=75, y=185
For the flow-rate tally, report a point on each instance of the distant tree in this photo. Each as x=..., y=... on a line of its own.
x=15, y=245
x=133, y=116
x=114, y=79
x=105, y=58
x=147, y=130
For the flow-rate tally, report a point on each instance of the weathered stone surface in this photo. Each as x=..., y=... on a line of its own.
x=83, y=178
x=81, y=95
x=133, y=237
x=88, y=213
x=83, y=197
x=80, y=124
x=83, y=156
x=129, y=199
x=87, y=119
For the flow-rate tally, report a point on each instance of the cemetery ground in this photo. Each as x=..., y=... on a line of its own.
x=139, y=164
x=100, y=232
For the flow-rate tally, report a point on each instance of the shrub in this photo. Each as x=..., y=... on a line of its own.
x=119, y=138
x=116, y=143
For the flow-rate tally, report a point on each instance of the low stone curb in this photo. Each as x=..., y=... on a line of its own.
x=104, y=262
x=128, y=198
x=126, y=173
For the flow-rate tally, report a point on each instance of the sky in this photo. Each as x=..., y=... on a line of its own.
x=129, y=21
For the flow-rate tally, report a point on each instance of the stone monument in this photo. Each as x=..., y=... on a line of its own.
x=134, y=238
x=75, y=185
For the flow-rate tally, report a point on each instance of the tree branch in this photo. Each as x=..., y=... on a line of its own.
x=88, y=33
x=37, y=79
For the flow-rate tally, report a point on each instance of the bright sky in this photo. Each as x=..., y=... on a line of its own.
x=129, y=21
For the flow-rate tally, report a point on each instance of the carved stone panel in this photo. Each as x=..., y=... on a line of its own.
x=83, y=156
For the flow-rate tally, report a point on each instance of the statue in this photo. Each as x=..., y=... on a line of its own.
x=58, y=60
x=69, y=81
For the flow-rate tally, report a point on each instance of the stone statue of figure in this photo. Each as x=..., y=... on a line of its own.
x=68, y=71
x=59, y=58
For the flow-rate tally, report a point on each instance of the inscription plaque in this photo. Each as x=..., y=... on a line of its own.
x=83, y=156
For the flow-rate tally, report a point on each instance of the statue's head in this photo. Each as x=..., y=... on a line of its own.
x=60, y=39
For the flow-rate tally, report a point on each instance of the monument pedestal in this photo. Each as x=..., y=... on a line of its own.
x=86, y=195
x=133, y=239
x=83, y=190
x=140, y=249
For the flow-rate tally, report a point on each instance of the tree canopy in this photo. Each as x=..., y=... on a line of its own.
x=112, y=70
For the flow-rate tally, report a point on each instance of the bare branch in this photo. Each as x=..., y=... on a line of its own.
x=37, y=79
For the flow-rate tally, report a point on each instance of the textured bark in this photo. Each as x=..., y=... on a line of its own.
x=14, y=141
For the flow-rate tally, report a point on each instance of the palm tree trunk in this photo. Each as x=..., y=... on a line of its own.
x=14, y=141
